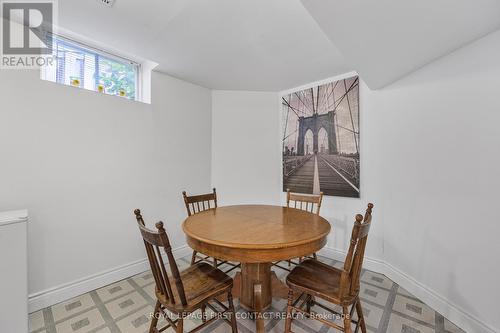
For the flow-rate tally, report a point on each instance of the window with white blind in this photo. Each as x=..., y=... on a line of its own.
x=84, y=67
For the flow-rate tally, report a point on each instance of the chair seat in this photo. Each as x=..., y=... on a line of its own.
x=201, y=282
x=316, y=278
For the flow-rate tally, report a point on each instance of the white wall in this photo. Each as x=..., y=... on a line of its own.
x=245, y=147
x=80, y=162
x=440, y=149
x=429, y=161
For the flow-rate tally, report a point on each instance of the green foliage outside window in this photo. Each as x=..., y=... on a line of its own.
x=117, y=78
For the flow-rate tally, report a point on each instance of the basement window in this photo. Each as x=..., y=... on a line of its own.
x=81, y=66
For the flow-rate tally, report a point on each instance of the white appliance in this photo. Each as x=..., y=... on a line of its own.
x=14, y=268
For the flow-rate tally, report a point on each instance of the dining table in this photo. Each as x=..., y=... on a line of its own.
x=256, y=236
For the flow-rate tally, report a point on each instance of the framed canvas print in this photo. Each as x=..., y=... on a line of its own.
x=320, y=137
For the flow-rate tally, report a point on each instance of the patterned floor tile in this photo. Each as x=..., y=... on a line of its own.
x=279, y=303
x=104, y=330
x=114, y=290
x=36, y=321
x=125, y=305
x=398, y=324
x=373, y=314
x=404, y=292
x=194, y=320
x=373, y=294
x=144, y=278
x=377, y=279
x=136, y=322
x=150, y=290
x=71, y=307
x=82, y=323
x=414, y=309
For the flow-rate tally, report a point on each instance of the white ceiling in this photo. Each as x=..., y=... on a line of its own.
x=278, y=44
x=384, y=40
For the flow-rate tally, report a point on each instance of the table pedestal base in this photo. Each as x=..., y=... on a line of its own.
x=255, y=286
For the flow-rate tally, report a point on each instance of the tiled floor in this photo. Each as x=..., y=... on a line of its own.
x=125, y=307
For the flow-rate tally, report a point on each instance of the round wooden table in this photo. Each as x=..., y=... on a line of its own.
x=256, y=236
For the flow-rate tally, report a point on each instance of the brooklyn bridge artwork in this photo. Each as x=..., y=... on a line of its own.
x=321, y=139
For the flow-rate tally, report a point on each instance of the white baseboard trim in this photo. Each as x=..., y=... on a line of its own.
x=454, y=313
x=57, y=294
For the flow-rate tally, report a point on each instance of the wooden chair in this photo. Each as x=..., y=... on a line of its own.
x=305, y=202
x=194, y=288
x=199, y=203
x=312, y=279
x=309, y=203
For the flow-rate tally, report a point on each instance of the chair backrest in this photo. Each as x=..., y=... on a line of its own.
x=154, y=241
x=199, y=203
x=305, y=202
x=349, y=284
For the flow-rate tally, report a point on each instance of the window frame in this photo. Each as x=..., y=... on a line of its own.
x=86, y=48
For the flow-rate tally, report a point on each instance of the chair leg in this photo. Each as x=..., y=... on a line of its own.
x=257, y=299
x=203, y=313
x=347, y=320
x=180, y=325
x=361, y=318
x=193, y=258
x=309, y=304
x=156, y=316
x=315, y=256
x=215, y=263
x=289, y=309
x=234, y=326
